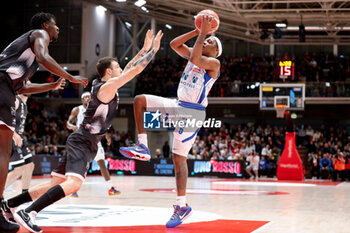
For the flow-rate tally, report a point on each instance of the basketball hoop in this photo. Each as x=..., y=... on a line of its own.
x=280, y=109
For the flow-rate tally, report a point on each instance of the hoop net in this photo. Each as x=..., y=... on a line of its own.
x=280, y=109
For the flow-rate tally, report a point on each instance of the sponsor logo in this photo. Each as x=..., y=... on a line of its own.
x=289, y=165
x=151, y=120
x=215, y=166
x=196, y=70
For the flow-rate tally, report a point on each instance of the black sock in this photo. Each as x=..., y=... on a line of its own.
x=51, y=196
x=19, y=200
x=24, y=190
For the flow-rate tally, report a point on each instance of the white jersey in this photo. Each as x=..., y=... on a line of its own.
x=194, y=85
x=80, y=116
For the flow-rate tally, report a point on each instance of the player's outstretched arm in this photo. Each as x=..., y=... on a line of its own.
x=71, y=119
x=107, y=90
x=207, y=63
x=42, y=87
x=108, y=138
x=41, y=43
x=179, y=46
x=146, y=46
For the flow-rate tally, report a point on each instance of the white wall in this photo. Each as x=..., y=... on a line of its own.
x=98, y=27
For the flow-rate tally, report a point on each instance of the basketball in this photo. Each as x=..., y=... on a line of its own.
x=215, y=23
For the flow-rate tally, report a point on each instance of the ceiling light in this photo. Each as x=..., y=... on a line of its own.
x=144, y=9
x=140, y=3
x=168, y=26
x=128, y=25
x=101, y=8
x=281, y=25
x=120, y=0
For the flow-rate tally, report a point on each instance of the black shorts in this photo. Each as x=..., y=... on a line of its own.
x=21, y=155
x=81, y=149
x=7, y=102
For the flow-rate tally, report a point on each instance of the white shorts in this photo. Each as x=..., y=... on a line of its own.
x=253, y=167
x=173, y=110
x=100, y=155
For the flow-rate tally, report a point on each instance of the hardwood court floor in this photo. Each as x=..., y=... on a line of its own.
x=219, y=205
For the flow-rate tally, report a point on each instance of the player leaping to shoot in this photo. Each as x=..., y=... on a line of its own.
x=201, y=72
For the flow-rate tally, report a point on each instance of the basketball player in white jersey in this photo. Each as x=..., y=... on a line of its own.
x=201, y=72
x=76, y=117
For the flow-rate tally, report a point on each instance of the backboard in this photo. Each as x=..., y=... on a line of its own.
x=290, y=94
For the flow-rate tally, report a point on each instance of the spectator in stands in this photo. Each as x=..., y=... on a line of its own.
x=244, y=150
x=46, y=150
x=315, y=168
x=166, y=149
x=347, y=165
x=271, y=165
x=205, y=154
x=54, y=151
x=316, y=135
x=325, y=166
x=262, y=166
x=253, y=160
x=301, y=134
x=159, y=154
x=194, y=155
x=309, y=132
x=339, y=166
x=266, y=150
x=37, y=149
x=213, y=149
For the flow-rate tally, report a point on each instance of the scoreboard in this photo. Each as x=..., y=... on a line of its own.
x=286, y=69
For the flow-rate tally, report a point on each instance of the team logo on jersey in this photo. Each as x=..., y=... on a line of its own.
x=151, y=120
x=194, y=79
x=197, y=70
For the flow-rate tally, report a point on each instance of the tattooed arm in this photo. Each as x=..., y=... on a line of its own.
x=146, y=46
x=107, y=90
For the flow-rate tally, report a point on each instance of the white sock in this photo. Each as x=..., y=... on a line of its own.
x=142, y=137
x=180, y=201
x=109, y=184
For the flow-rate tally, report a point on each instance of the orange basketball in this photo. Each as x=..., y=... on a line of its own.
x=215, y=23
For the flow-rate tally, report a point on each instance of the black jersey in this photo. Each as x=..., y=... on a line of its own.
x=98, y=116
x=18, y=61
x=21, y=115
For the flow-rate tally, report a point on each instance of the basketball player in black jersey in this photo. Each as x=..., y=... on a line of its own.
x=18, y=62
x=21, y=158
x=81, y=146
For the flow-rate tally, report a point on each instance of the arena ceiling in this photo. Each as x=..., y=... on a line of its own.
x=325, y=21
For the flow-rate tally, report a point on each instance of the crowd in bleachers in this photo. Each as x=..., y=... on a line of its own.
x=328, y=149
x=326, y=75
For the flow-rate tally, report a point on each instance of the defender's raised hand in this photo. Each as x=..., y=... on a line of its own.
x=157, y=39
x=148, y=40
